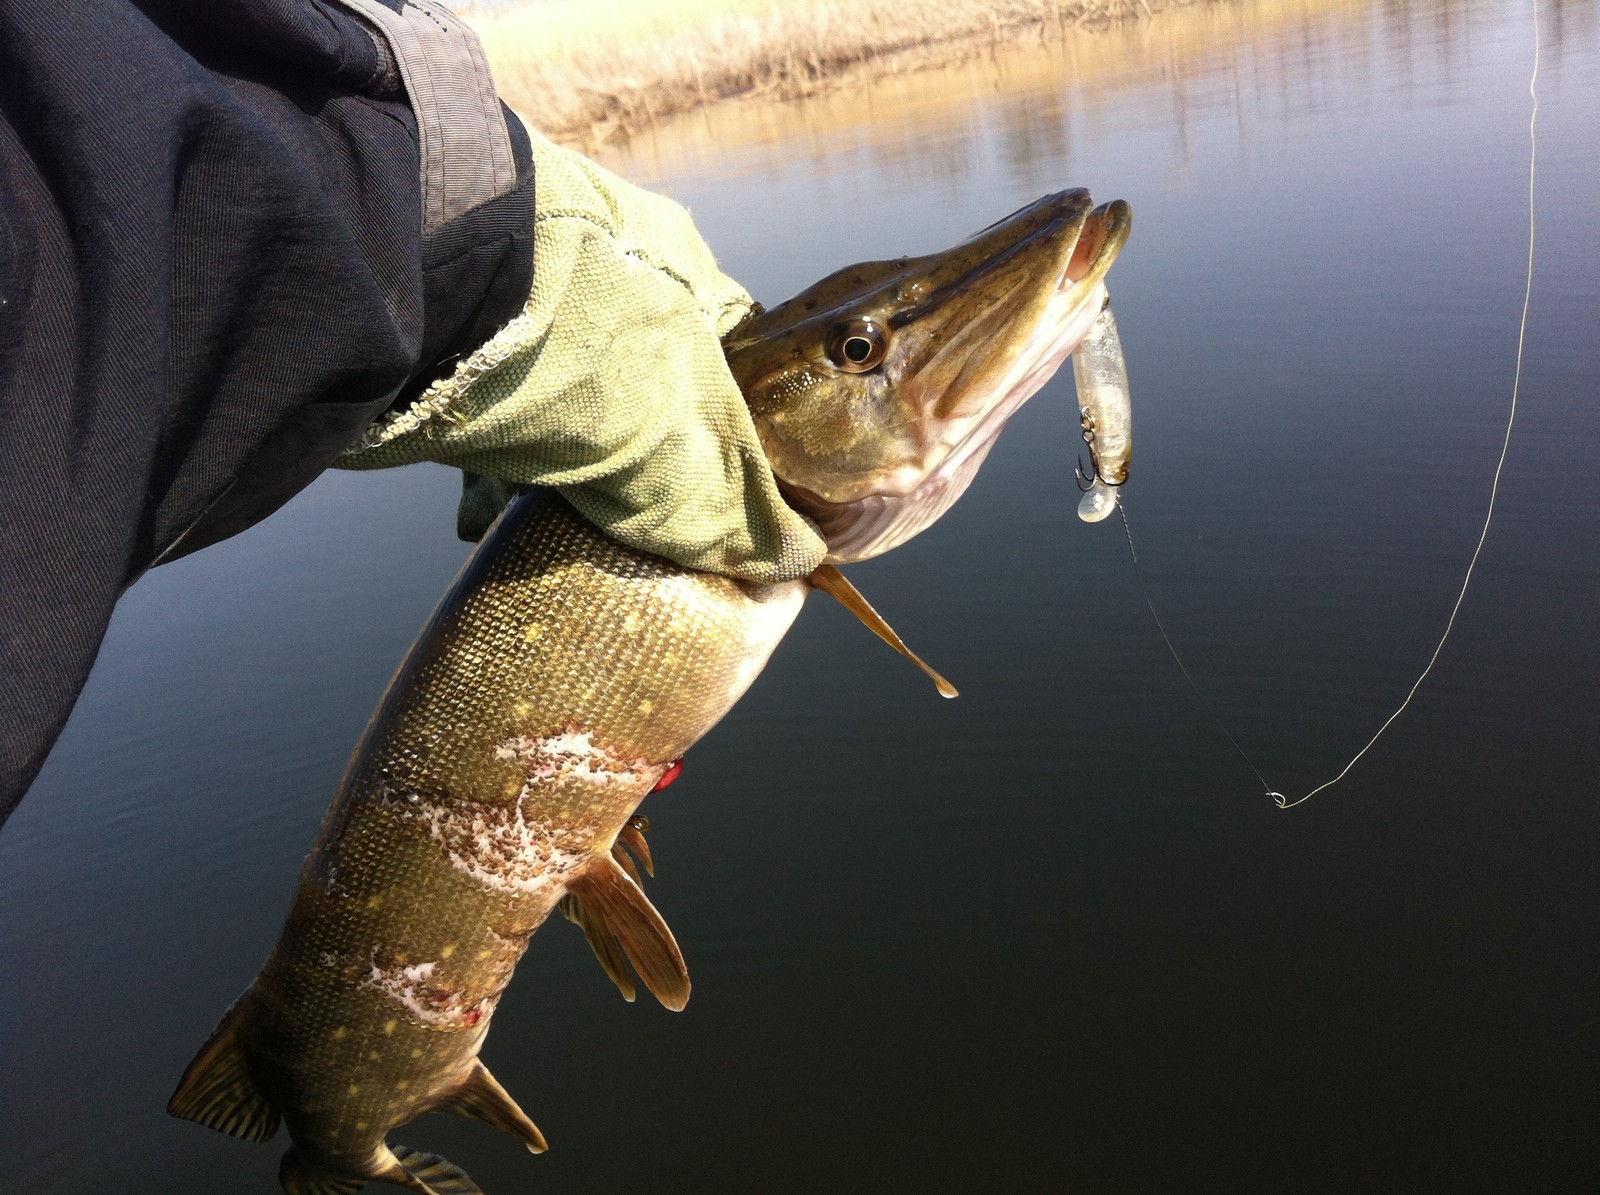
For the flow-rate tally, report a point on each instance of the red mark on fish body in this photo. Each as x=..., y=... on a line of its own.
x=674, y=770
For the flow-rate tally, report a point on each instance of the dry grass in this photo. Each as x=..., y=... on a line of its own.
x=1026, y=93
x=581, y=70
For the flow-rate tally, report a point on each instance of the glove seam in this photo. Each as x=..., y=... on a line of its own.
x=643, y=257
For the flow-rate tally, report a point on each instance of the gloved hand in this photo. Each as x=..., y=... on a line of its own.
x=611, y=386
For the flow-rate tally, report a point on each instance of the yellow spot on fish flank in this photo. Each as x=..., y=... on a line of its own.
x=374, y=902
x=402, y=1084
x=448, y=950
x=353, y=1089
x=532, y=632
x=631, y=623
x=361, y=1124
x=646, y=706
x=389, y=1027
x=416, y=1052
x=374, y=1055
x=485, y=953
x=342, y=1032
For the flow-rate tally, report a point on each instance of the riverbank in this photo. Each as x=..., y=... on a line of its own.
x=584, y=72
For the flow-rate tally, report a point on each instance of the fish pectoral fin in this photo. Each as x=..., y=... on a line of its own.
x=482, y=1098
x=428, y=1173
x=832, y=582
x=218, y=1091
x=604, y=944
x=625, y=861
x=630, y=845
x=297, y=1178
x=615, y=910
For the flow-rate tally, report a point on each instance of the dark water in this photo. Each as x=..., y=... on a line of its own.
x=1049, y=936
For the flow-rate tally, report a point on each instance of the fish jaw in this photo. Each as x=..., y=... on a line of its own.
x=878, y=522
x=873, y=456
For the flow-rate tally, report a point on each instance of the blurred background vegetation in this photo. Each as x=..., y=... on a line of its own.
x=584, y=71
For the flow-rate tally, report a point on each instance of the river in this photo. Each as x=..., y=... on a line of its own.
x=1053, y=935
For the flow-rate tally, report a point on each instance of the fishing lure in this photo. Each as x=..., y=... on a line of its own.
x=1105, y=409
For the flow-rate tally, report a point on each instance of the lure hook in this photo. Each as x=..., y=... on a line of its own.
x=1092, y=476
x=1086, y=477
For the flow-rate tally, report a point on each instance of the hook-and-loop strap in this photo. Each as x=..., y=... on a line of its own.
x=465, y=149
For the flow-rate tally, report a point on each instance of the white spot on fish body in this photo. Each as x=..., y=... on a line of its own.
x=498, y=844
x=425, y=1003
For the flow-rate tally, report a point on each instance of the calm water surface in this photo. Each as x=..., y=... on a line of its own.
x=1050, y=935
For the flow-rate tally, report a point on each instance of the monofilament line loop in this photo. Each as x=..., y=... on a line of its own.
x=1284, y=802
x=1505, y=447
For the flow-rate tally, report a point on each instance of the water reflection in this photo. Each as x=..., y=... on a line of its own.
x=1266, y=63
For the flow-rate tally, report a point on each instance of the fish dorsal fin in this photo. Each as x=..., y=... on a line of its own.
x=218, y=1091
x=832, y=582
x=619, y=920
x=482, y=1098
x=296, y=1178
x=428, y=1173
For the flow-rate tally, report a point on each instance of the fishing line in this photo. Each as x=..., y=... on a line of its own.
x=1283, y=801
x=1167, y=639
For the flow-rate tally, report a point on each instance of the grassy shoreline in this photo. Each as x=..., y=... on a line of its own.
x=583, y=71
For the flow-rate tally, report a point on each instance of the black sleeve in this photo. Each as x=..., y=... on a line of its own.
x=220, y=257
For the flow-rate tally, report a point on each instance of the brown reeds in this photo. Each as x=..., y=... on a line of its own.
x=582, y=70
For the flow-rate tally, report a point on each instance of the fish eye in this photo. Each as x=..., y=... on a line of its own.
x=857, y=346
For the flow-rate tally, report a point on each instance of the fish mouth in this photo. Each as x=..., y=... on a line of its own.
x=979, y=346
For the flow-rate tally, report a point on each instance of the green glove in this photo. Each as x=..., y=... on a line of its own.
x=611, y=386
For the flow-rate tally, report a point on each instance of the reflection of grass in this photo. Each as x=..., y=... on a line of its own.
x=583, y=68
x=1031, y=88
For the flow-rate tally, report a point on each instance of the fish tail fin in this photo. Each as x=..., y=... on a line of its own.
x=482, y=1098
x=428, y=1173
x=218, y=1091
x=298, y=1177
x=619, y=920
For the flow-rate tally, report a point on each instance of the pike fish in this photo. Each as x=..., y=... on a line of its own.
x=564, y=675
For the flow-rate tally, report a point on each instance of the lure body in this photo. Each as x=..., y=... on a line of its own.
x=1105, y=410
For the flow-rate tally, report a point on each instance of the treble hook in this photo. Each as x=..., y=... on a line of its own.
x=1087, y=477
x=1092, y=476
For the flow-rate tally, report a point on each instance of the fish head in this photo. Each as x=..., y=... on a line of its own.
x=878, y=391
